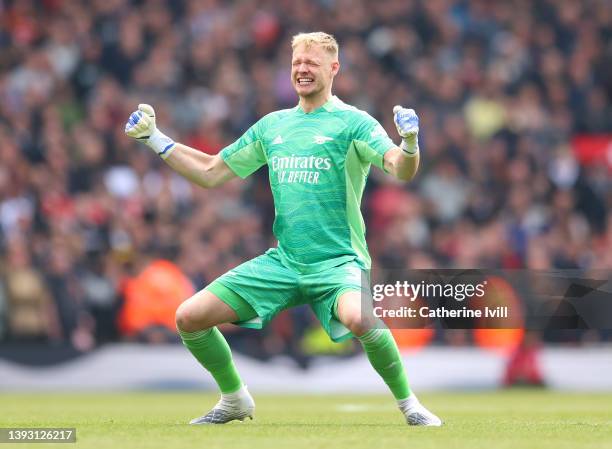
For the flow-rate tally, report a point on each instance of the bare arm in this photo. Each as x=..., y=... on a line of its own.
x=400, y=164
x=200, y=168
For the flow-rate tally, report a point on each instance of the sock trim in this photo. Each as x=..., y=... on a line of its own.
x=372, y=335
x=194, y=336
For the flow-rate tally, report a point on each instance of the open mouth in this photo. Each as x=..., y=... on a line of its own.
x=303, y=81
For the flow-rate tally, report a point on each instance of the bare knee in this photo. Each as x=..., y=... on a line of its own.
x=187, y=319
x=203, y=311
x=357, y=323
x=350, y=313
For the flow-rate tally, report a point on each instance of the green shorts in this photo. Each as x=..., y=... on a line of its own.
x=259, y=289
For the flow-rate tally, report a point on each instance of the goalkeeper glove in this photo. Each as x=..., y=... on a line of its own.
x=407, y=124
x=141, y=126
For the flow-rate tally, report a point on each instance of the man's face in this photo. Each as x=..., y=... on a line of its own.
x=312, y=70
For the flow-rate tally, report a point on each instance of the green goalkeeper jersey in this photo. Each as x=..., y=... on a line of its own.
x=318, y=164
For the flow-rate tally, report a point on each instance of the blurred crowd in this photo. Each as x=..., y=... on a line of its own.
x=501, y=89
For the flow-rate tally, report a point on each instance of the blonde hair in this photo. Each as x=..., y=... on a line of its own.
x=327, y=41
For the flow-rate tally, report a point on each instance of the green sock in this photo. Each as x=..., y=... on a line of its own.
x=210, y=348
x=382, y=352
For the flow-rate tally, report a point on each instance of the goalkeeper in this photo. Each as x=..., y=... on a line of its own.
x=318, y=155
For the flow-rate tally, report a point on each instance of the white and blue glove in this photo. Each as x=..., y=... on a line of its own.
x=407, y=124
x=141, y=126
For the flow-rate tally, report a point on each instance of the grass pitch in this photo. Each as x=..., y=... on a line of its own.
x=509, y=419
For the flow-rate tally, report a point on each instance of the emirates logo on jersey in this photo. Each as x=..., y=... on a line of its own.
x=305, y=162
x=299, y=169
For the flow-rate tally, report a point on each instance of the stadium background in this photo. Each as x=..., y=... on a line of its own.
x=516, y=134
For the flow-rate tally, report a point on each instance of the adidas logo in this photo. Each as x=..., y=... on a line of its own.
x=277, y=140
x=322, y=139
